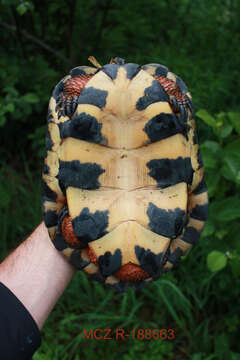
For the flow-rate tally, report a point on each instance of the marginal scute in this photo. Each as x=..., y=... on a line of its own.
x=83, y=70
x=51, y=188
x=156, y=69
x=77, y=259
x=51, y=218
x=52, y=162
x=200, y=212
x=191, y=235
x=171, y=76
x=201, y=187
x=59, y=242
x=181, y=85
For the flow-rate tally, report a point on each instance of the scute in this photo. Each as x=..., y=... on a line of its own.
x=124, y=195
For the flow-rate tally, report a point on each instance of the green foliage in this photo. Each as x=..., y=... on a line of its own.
x=20, y=198
x=24, y=6
x=221, y=158
x=151, y=350
x=197, y=40
x=216, y=260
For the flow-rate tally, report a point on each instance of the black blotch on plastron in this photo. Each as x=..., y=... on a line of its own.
x=167, y=223
x=164, y=125
x=191, y=235
x=152, y=94
x=47, y=192
x=200, y=161
x=183, y=115
x=132, y=70
x=182, y=86
x=200, y=212
x=191, y=107
x=50, y=218
x=59, y=242
x=58, y=89
x=90, y=226
x=149, y=261
x=77, y=260
x=82, y=176
x=93, y=96
x=201, y=188
x=46, y=169
x=169, y=172
x=110, y=70
x=44, y=199
x=48, y=141
x=174, y=257
x=109, y=264
x=50, y=116
x=195, y=137
x=61, y=185
x=82, y=126
x=62, y=214
x=160, y=70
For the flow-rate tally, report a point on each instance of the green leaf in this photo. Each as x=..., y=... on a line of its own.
x=206, y=117
x=222, y=347
x=11, y=90
x=235, y=356
x=30, y=98
x=213, y=146
x=233, y=147
x=24, y=7
x=209, y=229
x=210, y=151
x=21, y=9
x=212, y=180
x=216, y=261
x=9, y=107
x=235, y=120
x=231, y=161
x=226, y=209
x=231, y=168
x=226, y=130
x=197, y=357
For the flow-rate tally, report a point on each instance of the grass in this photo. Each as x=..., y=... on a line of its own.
x=201, y=307
x=20, y=204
